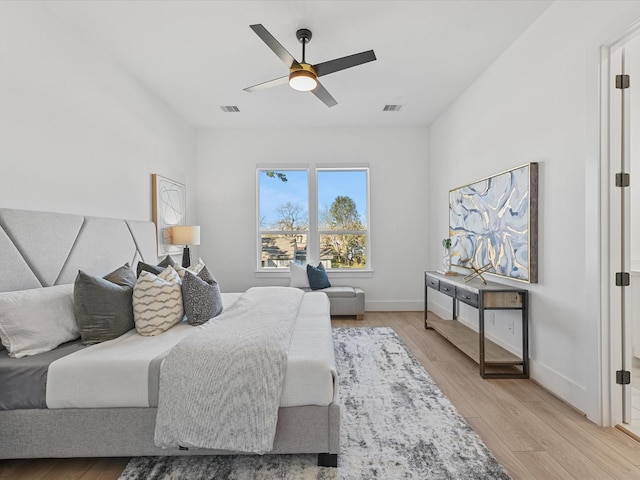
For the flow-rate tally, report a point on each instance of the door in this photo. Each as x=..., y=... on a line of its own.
x=632, y=66
x=623, y=263
x=619, y=276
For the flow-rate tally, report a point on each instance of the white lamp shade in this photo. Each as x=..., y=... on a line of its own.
x=185, y=235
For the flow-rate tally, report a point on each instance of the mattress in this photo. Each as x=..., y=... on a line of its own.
x=124, y=372
x=24, y=380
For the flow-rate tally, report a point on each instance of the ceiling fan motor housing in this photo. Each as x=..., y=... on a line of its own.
x=303, y=78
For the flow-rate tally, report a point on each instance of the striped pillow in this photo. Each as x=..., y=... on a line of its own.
x=157, y=302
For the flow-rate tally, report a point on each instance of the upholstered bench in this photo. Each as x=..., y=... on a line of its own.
x=345, y=300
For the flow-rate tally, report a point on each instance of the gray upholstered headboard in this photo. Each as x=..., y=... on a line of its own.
x=40, y=249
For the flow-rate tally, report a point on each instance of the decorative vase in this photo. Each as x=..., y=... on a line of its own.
x=446, y=260
x=446, y=263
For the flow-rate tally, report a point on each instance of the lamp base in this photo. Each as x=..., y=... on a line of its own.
x=186, y=258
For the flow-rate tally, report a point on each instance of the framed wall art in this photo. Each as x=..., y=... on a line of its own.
x=169, y=202
x=493, y=223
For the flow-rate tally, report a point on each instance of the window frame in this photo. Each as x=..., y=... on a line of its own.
x=260, y=231
x=366, y=232
x=313, y=231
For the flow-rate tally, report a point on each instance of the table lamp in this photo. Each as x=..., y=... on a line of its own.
x=185, y=235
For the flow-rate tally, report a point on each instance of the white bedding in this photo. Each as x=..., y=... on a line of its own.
x=116, y=373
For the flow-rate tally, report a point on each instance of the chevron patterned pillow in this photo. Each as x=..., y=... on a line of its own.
x=157, y=302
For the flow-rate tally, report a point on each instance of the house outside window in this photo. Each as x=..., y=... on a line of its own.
x=313, y=215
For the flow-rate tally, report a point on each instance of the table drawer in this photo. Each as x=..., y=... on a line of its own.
x=503, y=300
x=432, y=283
x=447, y=289
x=467, y=297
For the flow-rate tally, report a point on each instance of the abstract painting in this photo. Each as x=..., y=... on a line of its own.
x=169, y=209
x=494, y=222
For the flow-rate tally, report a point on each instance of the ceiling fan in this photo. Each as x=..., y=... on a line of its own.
x=304, y=76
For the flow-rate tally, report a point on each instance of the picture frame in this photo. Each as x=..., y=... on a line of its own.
x=169, y=208
x=493, y=224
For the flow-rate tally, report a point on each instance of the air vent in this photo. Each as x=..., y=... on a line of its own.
x=392, y=108
x=229, y=109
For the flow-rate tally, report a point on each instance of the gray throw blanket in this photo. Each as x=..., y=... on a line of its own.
x=220, y=387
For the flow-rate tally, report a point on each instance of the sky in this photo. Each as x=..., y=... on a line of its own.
x=331, y=183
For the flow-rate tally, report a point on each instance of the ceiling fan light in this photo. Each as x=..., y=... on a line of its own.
x=302, y=80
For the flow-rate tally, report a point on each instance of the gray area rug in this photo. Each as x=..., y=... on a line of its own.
x=396, y=424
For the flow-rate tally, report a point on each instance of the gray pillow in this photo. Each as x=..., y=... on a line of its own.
x=201, y=296
x=155, y=269
x=104, y=307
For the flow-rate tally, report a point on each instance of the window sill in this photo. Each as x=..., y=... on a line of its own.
x=337, y=274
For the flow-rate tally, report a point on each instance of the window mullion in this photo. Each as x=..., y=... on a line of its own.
x=283, y=232
x=313, y=245
x=342, y=232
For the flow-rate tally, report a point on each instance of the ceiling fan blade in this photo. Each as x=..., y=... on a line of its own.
x=325, y=68
x=324, y=95
x=274, y=45
x=271, y=83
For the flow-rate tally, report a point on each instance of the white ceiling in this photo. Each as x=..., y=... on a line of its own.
x=199, y=55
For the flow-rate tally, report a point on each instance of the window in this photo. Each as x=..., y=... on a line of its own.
x=283, y=217
x=313, y=215
x=342, y=217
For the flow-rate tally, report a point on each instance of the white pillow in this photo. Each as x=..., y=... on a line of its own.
x=157, y=302
x=299, y=278
x=195, y=268
x=38, y=320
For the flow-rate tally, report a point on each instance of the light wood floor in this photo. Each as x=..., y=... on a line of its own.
x=532, y=433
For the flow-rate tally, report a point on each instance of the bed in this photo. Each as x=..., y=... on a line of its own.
x=116, y=415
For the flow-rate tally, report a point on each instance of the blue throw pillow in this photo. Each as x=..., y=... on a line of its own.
x=317, y=277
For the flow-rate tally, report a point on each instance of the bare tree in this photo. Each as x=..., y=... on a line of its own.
x=291, y=216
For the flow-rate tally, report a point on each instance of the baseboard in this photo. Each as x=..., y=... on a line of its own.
x=559, y=385
x=393, y=305
x=440, y=310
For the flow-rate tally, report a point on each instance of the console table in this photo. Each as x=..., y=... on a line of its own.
x=492, y=296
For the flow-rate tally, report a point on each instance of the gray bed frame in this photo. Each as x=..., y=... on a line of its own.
x=42, y=249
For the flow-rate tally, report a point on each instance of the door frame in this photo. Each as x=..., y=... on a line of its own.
x=611, y=234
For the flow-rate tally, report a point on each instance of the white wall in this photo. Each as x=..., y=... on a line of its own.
x=398, y=160
x=77, y=133
x=539, y=103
